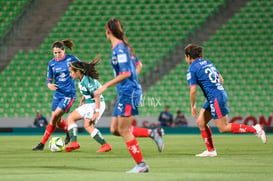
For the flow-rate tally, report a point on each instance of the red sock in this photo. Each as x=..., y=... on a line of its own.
x=241, y=128
x=63, y=126
x=49, y=130
x=207, y=137
x=140, y=132
x=134, y=150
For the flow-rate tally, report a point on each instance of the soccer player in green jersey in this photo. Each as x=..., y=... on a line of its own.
x=90, y=108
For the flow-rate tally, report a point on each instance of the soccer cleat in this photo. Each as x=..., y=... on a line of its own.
x=105, y=148
x=157, y=136
x=207, y=153
x=141, y=167
x=72, y=146
x=67, y=139
x=39, y=147
x=260, y=132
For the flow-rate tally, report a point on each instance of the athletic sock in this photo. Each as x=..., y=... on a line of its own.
x=48, y=132
x=207, y=137
x=140, y=132
x=241, y=128
x=63, y=126
x=134, y=150
x=73, y=129
x=98, y=137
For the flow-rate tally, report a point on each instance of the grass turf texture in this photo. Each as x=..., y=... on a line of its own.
x=240, y=157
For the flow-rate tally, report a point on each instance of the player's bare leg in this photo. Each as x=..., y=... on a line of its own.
x=202, y=122
x=225, y=127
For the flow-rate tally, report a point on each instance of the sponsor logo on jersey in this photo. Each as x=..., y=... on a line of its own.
x=122, y=58
x=62, y=77
x=58, y=69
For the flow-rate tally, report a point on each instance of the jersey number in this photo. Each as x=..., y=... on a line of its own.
x=67, y=100
x=213, y=77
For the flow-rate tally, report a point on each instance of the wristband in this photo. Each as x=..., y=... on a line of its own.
x=97, y=110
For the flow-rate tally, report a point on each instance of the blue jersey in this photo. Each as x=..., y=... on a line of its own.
x=122, y=62
x=204, y=73
x=58, y=71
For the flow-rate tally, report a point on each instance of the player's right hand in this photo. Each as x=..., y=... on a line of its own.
x=194, y=112
x=52, y=86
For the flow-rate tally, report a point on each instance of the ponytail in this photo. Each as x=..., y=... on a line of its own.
x=88, y=69
x=61, y=44
x=116, y=28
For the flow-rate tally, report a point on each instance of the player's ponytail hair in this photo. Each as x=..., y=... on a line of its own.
x=61, y=44
x=194, y=51
x=116, y=28
x=88, y=69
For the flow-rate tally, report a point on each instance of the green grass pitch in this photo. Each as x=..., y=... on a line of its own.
x=240, y=157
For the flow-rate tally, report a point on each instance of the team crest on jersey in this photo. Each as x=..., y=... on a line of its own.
x=114, y=60
x=83, y=88
x=68, y=62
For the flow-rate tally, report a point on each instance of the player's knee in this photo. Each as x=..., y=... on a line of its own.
x=222, y=129
x=201, y=124
x=69, y=120
x=123, y=132
x=114, y=131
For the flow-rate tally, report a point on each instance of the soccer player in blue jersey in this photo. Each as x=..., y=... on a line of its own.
x=63, y=87
x=203, y=73
x=129, y=91
x=90, y=108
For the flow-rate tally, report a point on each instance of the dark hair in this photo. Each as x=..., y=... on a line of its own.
x=88, y=69
x=194, y=51
x=116, y=28
x=61, y=44
x=179, y=111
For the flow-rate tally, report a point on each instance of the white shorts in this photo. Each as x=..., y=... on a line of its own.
x=87, y=110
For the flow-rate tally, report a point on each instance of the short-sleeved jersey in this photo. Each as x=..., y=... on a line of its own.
x=136, y=61
x=204, y=73
x=122, y=62
x=87, y=87
x=58, y=71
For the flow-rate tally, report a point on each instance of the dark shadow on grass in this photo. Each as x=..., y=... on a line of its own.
x=70, y=168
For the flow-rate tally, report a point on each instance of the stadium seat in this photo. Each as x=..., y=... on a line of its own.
x=236, y=49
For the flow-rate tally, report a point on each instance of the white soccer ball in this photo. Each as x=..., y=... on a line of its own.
x=56, y=144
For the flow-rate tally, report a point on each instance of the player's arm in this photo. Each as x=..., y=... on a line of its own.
x=49, y=79
x=82, y=101
x=123, y=74
x=97, y=111
x=221, y=78
x=138, y=67
x=192, y=99
x=112, y=82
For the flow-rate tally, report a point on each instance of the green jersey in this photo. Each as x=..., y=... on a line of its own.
x=87, y=87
